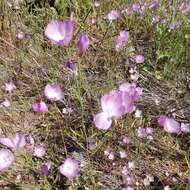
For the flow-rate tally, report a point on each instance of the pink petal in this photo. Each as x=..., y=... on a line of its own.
x=185, y=127
x=122, y=40
x=113, y=15
x=44, y=170
x=102, y=121
x=83, y=44
x=6, y=103
x=7, y=158
x=69, y=168
x=16, y=142
x=169, y=124
x=53, y=92
x=141, y=132
x=40, y=107
x=139, y=59
x=60, y=32
x=112, y=104
x=39, y=151
x=9, y=87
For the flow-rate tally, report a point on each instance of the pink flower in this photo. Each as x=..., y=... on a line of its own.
x=44, y=170
x=123, y=154
x=131, y=89
x=129, y=11
x=39, y=151
x=69, y=168
x=136, y=6
x=111, y=156
x=16, y=142
x=141, y=132
x=139, y=59
x=9, y=87
x=185, y=127
x=83, y=43
x=71, y=67
x=40, y=107
x=112, y=104
x=121, y=41
x=60, y=32
x=169, y=124
x=7, y=158
x=53, y=92
x=113, y=15
x=6, y=103
x=102, y=121
x=20, y=35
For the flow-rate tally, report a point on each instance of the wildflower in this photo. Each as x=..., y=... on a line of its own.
x=60, y=32
x=111, y=156
x=107, y=151
x=138, y=113
x=188, y=179
x=167, y=187
x=146, y=182
x=102, y=121
x=153, y=5
x=136, y=6
x=130, y=188
x=71, y=67
x=185, y=128
x=67, y=110
x=6, y=103
x=53, y=92
x=131, y=89
x=93, y=21
x=129, y=11
x=169, y=124
x=131, y=165
x=7, y=158
x=83, y=43
x=113, y=15
x=123, y=154
x=121, y=41
x=139, y=59
x=16, y=142
x=44, y=170
x=96, y=4
x=126, y=140
x=39, y=151
x=9, y=87
x=141, y=132
x=20, y=35
x=69, y=168
x=40, y=107
x=134, y=76
x=129, y=180
x=125, y=171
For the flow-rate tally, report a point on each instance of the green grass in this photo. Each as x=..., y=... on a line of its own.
x=34, y=62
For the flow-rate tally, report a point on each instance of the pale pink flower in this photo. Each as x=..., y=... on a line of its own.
x=16, y=142
x=69, y=168
x=39, y=151
x=139, y=59
x=82, y=44
x=60, y=32
x=102, y=121
x=121, y=40
x=111, y=156
x=185, y=127
x=112, y=104
x=169, y=124
x=53, y=92
x=9, y=87
x=123, y=154
x=6, y=103
x=40, y=107
x=20, y=35
x=44, y=170
x=141, y=132
x=113, y=15
x=7, y=158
